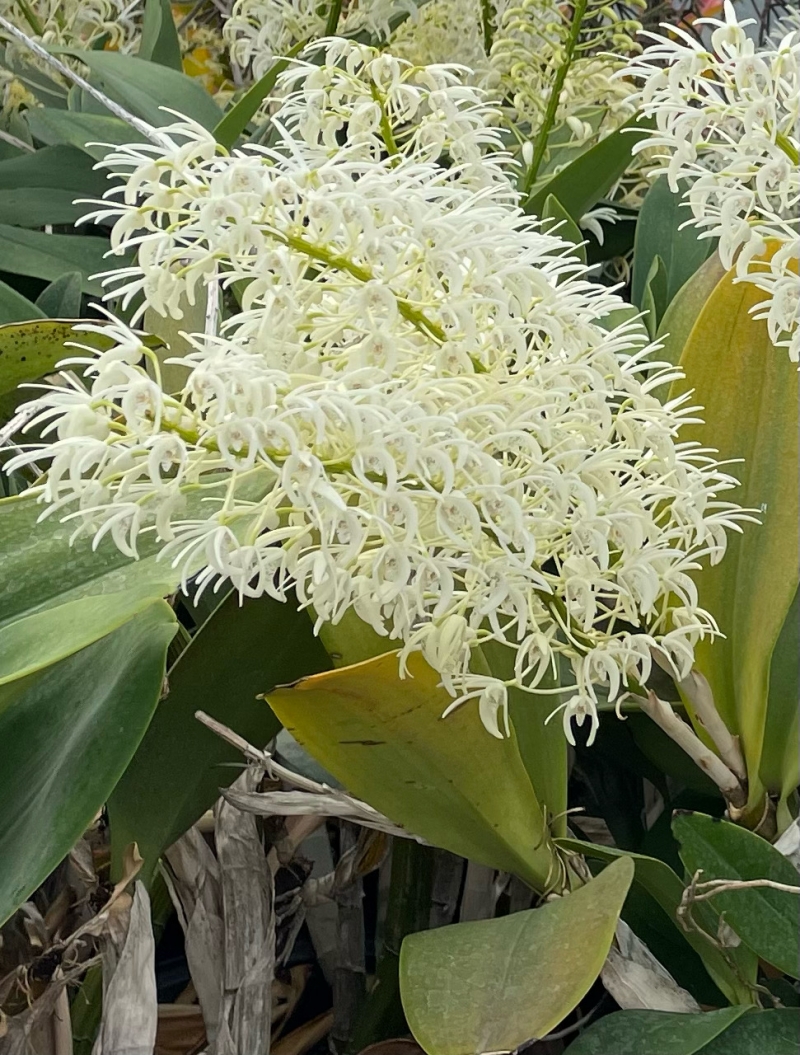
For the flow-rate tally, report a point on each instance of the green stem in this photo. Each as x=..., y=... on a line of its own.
x=334, y=11
x=552, y=103
x=787, y=147
x=31, y=18
x=386, y=125
x=417, y=318
x=487, y=22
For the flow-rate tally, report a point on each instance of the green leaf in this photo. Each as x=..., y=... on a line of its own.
x=176, y=774
x=159, y=41
x=666, y=888
x=563, y=225
x=53, y=167
x=658, y=233
x=654, y=298
x=656, y=1033
x=684, y=308
x=749, y=393
x=760, y=1033
x=66, y=735
x=146, y=87
x=494, y=984
x=767, y=920
x=62, y=298
x=14, y=308
x=586, y=180
x=42, y=638
x=32, y=551
x=77, y=129
x=49, y=256
x=37, y=206
x=542, y=744
x=447, y=780
x=780, y=762
x=238, y=116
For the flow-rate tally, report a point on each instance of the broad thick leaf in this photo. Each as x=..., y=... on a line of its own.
x=54, y=167
x=62, y=298
x=494, y=984
x=14, y=308
x=586, y=180
x=66, y=735
x=542, y=744
x=556, y=216
x=666, y=888
x=774, y=1032
x=41, y=188
x=82, y=130
x=658, y=233
x=447, y=780
x=180, y=765
x=159, y=41
x=29, y=207
x=656, y=1033
x=238, y=116
x=681, y=315
x=767, y=920
x=42, y=638
x=49, y=256
x=145, y=88
x=32, y=550
x=748, y=390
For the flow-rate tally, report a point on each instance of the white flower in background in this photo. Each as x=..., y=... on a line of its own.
x=530, y=45
x=259, y=31
x=726, y=120
x=66, y=23
x=413, y=413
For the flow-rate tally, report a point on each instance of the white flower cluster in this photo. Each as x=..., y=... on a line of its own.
x=726, y=120
x=445, y=31
x=454, y=446
x=530, y=45
x=79, y=23
x=259, y=31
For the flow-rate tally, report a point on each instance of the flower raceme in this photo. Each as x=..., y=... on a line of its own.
x=726, y=120
x=415, y=409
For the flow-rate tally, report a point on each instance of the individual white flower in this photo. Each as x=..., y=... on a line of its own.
x=726, y=120
x=492, y=466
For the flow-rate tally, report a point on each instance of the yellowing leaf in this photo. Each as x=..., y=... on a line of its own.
x=444, y=779
x=748, y=390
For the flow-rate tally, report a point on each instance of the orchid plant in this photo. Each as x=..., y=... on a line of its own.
x=372, y=358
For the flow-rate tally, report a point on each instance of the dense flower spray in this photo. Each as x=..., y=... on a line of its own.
x=415, y=411
x=726, y=119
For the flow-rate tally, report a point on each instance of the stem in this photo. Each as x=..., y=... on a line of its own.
x=334, y=11
x=417, y=318
x=386, y=125
x=787, y=147
x=698, y=692
x=552, y=103
x=487, y=21
x=31, y=17
x=684, y=736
